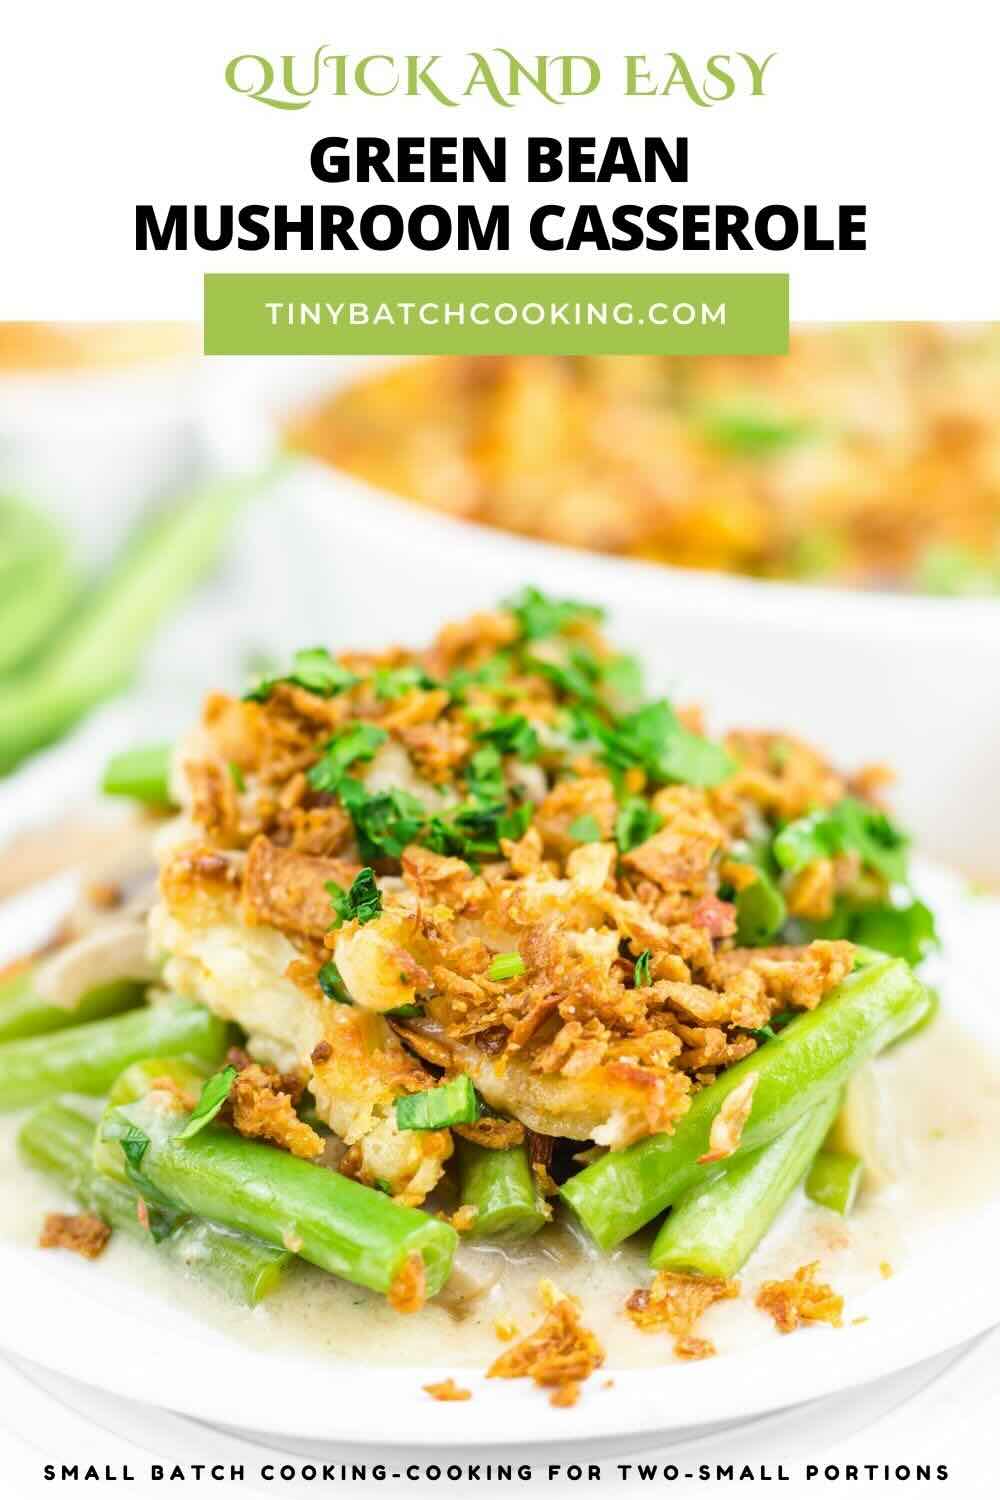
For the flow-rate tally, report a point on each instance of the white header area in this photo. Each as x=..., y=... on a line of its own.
x=884, y=104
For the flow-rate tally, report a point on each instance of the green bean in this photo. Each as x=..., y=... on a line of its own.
x=137, y=1080
x=834, y=1180
x=99, y=656
x=142, y=774
x=813, y=1056
x=87, y=1059
x=33, y=606
x=24, y=1013
x=502, y=1187
x=349, y=1230
x=57, y=1140
x=716, y=1225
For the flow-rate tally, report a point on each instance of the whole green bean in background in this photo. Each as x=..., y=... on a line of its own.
x=813, y=1056
x=24, y=1013
x=99, y=654
x=715, y=1226
x=834, y=1180
x=57, y=1140
x=142, y=774
x=33, y=606
x=349, y=1230
x=87, y=1059
x=502, y=1187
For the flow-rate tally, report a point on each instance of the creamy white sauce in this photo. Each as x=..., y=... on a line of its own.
x=942, y=1087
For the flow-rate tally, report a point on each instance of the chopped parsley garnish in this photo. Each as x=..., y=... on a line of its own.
x=385, y=822
x=849, y=827
x=585, y=829
x=215, y=1091
x=901, y=931
x=577, y=677
x=636, y=822
x=313, y=669
x=236, y=777
x=396, y=682
x=162, y=1217
x=473, y=830
x=621, y=682
x=451, y=1103
x=655, y=739
x=484, y=775
x=505, y=966
x=332, y=984
x=642, y=976
x=538, y=615
x=760, y=912
x=363, y=900
x=490, y=674
x=512, y=735
x=359, y=742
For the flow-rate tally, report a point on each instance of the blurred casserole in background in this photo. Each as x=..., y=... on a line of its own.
x=868, y=457
x=75, y=346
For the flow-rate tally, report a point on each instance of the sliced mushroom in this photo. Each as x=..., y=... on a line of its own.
x=117, y=949
x=865, y=1127
x=473, y=1275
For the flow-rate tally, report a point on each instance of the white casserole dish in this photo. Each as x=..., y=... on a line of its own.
x=908, y=680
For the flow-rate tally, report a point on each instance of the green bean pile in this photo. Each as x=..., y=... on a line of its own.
x=239, y=1212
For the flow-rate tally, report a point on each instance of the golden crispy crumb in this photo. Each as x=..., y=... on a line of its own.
x=676, y=1302
x=505, y=1329
x=691, y=1348
x=447, y=1390
x=261, y=1104
x=559, y=1355
x=885, y=1270
x=727, y=1127
x=802, y=1299
x=464, y=1217
x=85, y=1234
x=408, y=1291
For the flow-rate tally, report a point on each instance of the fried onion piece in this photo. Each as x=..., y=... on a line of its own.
x=559, y=1355
x=801, y=1299
x=676, y=1302
x=84, y=1234
x=727, y=1127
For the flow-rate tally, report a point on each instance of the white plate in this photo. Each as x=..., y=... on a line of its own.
x=89, y=1324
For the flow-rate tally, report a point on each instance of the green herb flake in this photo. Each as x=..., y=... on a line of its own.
x=385, y=822
x=636, y=822
x=760, y=912
x=538, y=615
x=332, y=985
x=451, y=1103
x=642, y=976
x=313, y=669
x=236, y=777
x=511, y=734
x=363, y=901
x=214, y=1094
x=585, y=829
x=359, y=742
x=396, y=682
x=849, y=827
x=505, y=966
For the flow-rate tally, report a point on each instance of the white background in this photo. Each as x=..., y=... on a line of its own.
x=110, y=103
